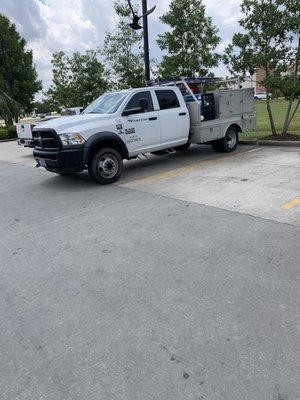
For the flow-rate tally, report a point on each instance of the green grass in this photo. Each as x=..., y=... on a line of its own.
x=279, y=107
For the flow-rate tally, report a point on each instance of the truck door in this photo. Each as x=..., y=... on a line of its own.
x=142, y=129
x=174, y=118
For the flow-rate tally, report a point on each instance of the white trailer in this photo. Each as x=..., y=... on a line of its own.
x=24, y=133
x=125, y=124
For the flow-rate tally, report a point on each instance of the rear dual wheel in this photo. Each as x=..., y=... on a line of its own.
x=228, y=143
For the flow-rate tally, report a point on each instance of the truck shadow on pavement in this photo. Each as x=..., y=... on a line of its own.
x=152, y=165
x=142, y=168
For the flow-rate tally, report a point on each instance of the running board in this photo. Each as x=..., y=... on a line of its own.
x=140, y=157
x=170, y=151
x=164, y=152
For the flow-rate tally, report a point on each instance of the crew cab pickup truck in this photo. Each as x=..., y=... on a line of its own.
x=125, y=124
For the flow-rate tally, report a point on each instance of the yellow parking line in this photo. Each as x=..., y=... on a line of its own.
x=178, y=171
x=169, y=174
x=292, y=204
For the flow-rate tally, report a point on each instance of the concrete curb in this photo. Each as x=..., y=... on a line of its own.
x=291, y=143
x=248, y=142
x=8, y=140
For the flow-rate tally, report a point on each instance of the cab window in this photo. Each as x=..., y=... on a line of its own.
x=167, y=99
x=143, y=99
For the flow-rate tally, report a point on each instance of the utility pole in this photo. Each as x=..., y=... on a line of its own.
x=146, y=41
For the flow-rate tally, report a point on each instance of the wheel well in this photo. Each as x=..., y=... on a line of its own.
x=107, y=143
x=236, y=127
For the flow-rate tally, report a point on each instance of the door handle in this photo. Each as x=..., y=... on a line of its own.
x=182, y=114
x=153, y=119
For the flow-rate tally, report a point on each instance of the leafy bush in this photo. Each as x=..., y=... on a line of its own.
x=8, y=132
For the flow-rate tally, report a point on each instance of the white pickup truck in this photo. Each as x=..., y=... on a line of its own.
x=125, y=124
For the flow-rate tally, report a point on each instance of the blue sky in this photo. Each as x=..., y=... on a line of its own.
x=78, y=25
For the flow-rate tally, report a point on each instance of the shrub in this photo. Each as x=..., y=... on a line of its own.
x=8, y=132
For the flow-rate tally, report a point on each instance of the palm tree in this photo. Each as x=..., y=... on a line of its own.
x=9, y=108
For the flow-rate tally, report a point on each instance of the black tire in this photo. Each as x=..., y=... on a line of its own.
x=227, y=144
x=216, y=146
x=255, y=98
x=106, y=166
x=184, y=147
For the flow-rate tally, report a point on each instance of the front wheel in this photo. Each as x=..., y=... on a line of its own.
x=106, y=166
x=228, y=143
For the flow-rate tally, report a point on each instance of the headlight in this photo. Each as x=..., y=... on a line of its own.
x=71, y=139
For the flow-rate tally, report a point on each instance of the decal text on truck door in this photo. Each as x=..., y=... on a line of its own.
x=129, y=131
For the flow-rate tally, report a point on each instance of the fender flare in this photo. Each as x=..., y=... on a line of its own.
x=102, y=137
x=236, y=125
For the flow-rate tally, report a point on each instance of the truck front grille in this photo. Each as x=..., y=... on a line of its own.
x=46, y=140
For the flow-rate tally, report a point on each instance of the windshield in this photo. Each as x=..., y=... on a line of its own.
x=106, y=104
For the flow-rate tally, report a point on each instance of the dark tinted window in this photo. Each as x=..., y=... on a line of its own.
x=135, y=101
x=208, y=106
x=167, y=99
x=190, y=99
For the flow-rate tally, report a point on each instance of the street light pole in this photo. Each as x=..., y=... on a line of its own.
x=135, y=25
x=146, y=41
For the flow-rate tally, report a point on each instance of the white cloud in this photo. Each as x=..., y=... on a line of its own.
x=78, y=25
x=25, y=14
x=68, y=29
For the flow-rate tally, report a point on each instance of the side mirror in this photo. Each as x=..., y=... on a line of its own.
x=132, y=111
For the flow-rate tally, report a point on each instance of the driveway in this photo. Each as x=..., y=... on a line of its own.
x=180, y=282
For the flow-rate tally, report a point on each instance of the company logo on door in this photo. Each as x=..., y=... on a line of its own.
x=129, y=131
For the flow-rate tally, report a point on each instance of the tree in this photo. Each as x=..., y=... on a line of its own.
x=43, y=107
x=270, y=42
x=9, y=108
x=190, y=42
x=290, y=84
x=17, y=72
x=77, y=79
x=123, y=51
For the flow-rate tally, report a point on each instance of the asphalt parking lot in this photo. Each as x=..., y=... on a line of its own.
x=180, y=282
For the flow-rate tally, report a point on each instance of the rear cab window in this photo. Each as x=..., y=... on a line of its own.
x=167, y=99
